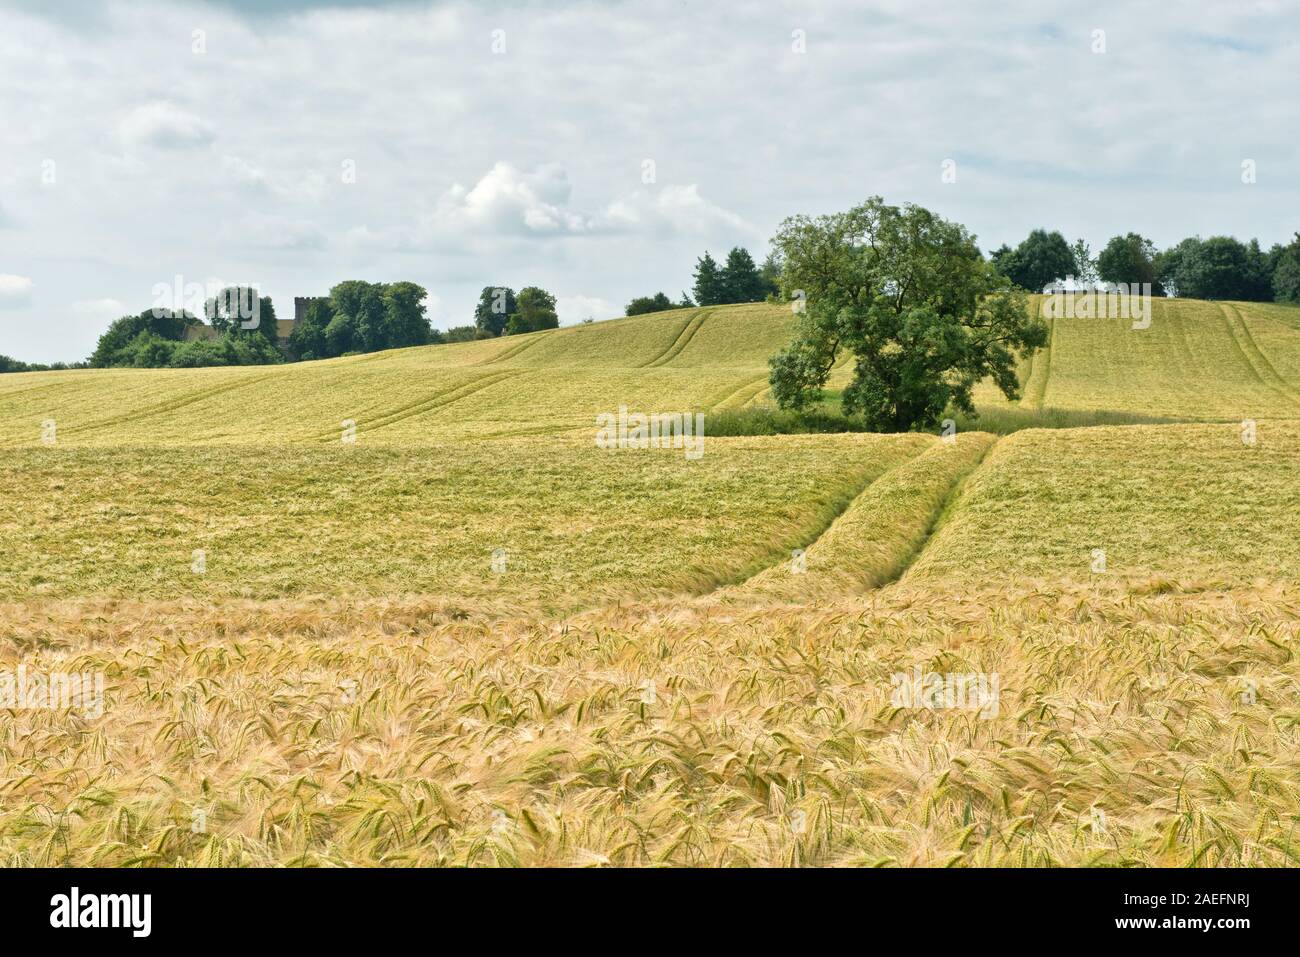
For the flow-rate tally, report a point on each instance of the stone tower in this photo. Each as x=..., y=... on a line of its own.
x=300, y=304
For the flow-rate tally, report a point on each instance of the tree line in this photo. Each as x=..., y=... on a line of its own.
x=1220, y=267
x=500, y=312
x=10, y=364
x=356, y=317
x=360, y=316
x=927, y=316
x=735, y=281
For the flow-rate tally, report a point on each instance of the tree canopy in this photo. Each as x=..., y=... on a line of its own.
x=535, y=311
x=1220, y=267
x=741, y=280
x=1040, y=260
x=238, y=310
x=911, y=297
x=496, y=304
x=738, y=280
x=362, y=316
x=1129, y=259
x=709, y=290
x=134, y=340
x=1286, y=274
x=644, y=304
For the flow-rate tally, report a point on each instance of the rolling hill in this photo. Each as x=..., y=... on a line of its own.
x=463, y=449
x=1197, y=361
x=474, y=637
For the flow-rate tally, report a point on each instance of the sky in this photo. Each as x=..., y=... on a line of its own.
x=597, y=149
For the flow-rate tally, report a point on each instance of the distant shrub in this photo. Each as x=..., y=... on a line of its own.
x=460, y=334
x=646, y=304
x=765, y=420
x=230, y=349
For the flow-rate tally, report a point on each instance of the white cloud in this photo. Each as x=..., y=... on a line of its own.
x=507, y=201
x=164, y=125
x=14, y=290
x=549, y=139
x=263, y=231
x=573, y=309
x=674, y=209
x=433, y=309
x=99, y=308
x=507, y=204
x=243, y=172
x=292, y=186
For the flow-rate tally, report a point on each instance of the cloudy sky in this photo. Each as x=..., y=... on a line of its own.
x=595, y=149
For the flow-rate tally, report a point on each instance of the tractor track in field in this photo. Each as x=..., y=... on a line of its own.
x=683, y=338
x=741, y=397
x=936, y=519
x=25, y=390
x=940, y=515
x=1040, y=370
x=428, y=404
x=163, y=407
x=513, y=351
x=1264, y=371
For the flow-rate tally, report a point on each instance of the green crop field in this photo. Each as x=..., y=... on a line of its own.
x=575, y=522
x=403, y=608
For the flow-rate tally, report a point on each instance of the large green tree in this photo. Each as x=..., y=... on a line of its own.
x=1040, y=260
x=1085, y=266
x=740, y=279
x=536, y=311
x=1129, y=259
x=237, y=310
x=1220, y=267
x=363, y=316
x=118, y=346
x=1286, y=273
x=771, y=274
x=405, y=322
x=709, y=290
x=307, y=341
x=1257, y=280
x=910, y=296
x=358, y=323
x=645, y=304
x=495, y=306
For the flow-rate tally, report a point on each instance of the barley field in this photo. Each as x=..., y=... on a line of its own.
x=400, y=609
x=574, y=524
x=1197, y=361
